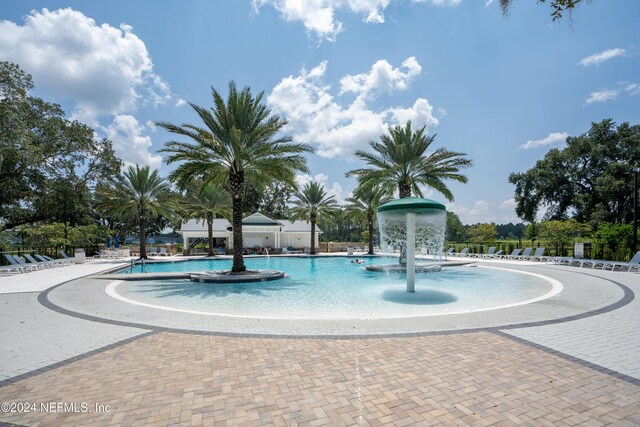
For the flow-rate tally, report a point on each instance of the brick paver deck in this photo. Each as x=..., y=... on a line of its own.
x=479, y=378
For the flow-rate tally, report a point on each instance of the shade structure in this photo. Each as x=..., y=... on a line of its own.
x=412, y=224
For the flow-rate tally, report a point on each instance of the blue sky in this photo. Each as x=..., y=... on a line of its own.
x=502, y=90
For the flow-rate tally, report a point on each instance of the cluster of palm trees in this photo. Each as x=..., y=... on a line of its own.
x=239, y=142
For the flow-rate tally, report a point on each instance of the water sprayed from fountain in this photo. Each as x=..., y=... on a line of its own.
x=412, y=225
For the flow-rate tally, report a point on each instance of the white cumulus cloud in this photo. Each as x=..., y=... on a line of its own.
x=339, y=129
x=600, y=57
x=632, y=88
x=552, y=138
x=130, y=142
x=105, y=72
x=602, y=96
x=334, y=190
x=382, y=78
x=319, y=16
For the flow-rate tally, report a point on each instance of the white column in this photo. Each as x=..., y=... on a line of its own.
x=411, y=252
x=185, y=242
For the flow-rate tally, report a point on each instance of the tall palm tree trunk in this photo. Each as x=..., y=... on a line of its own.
x=143, y=236
x=404, y=191
x=370, y=225
x=210, y=232
x=313, y=219
x=236, y=181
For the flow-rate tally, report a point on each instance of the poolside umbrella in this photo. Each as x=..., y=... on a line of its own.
x=108, y=242
x=116, y=243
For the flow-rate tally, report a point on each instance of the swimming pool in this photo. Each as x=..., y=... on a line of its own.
x=334, y=288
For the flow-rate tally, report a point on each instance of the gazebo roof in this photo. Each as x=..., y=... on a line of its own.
x=259, y=219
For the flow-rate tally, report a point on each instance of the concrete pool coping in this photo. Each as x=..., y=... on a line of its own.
x=583, y=295
x=116, y=275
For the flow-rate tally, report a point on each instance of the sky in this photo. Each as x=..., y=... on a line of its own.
x=504, y=90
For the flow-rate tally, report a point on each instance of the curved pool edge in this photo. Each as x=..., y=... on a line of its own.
x=556, y=287
x=584, y=295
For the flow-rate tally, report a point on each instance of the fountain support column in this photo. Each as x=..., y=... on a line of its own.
x=407, y=222
x=411, y=252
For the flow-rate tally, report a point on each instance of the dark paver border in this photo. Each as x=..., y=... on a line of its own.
x=627, y=298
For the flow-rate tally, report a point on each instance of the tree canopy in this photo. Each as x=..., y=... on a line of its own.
x=402, y=161
x=238, y=142
x=48, y=163
x=591, y=179
x=311, y=203
x=558, y=7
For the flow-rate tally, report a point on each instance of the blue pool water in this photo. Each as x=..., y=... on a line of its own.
x=333, y=287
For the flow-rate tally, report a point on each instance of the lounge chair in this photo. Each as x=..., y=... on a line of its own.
x=463, y=252
x=494, y=255
x=58, y=261
x=537, y=255
x=512, y=255
x=153, y=251
x=526, y=254
x=163, y=252
x=633, y=263
x=15, y=265
x=27, y=265
x=32, y=260
x=490, y=252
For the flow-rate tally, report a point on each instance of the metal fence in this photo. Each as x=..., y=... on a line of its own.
x=591, y=250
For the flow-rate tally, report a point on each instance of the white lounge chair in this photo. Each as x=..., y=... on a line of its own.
x=526, y=254
x=58, y=261
x=633, y=263
x=15, y=267
x=512, y=255
x=463, y=252
x=32, y=260
x=497, y=254
x=490, y=252
x=537, y=255
x=27, y=265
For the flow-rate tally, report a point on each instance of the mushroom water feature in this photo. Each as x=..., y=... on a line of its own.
x=410, y=223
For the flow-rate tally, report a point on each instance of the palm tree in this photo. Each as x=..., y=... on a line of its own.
x=313, y=202
x=400, y=161
x=237, y=144
x=362, y=207
x=207, y=202
x=142, y=195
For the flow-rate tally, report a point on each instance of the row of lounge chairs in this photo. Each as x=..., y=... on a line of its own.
x=517, y=254
x=538, y=255
x=632, y=265
x=27, y=262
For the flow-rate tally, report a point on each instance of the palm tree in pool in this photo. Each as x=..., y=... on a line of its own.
x=141, y=194
x=401, y=161
x=208, y=202
x=311, y=203
x=239, y=142
x=363, y=206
